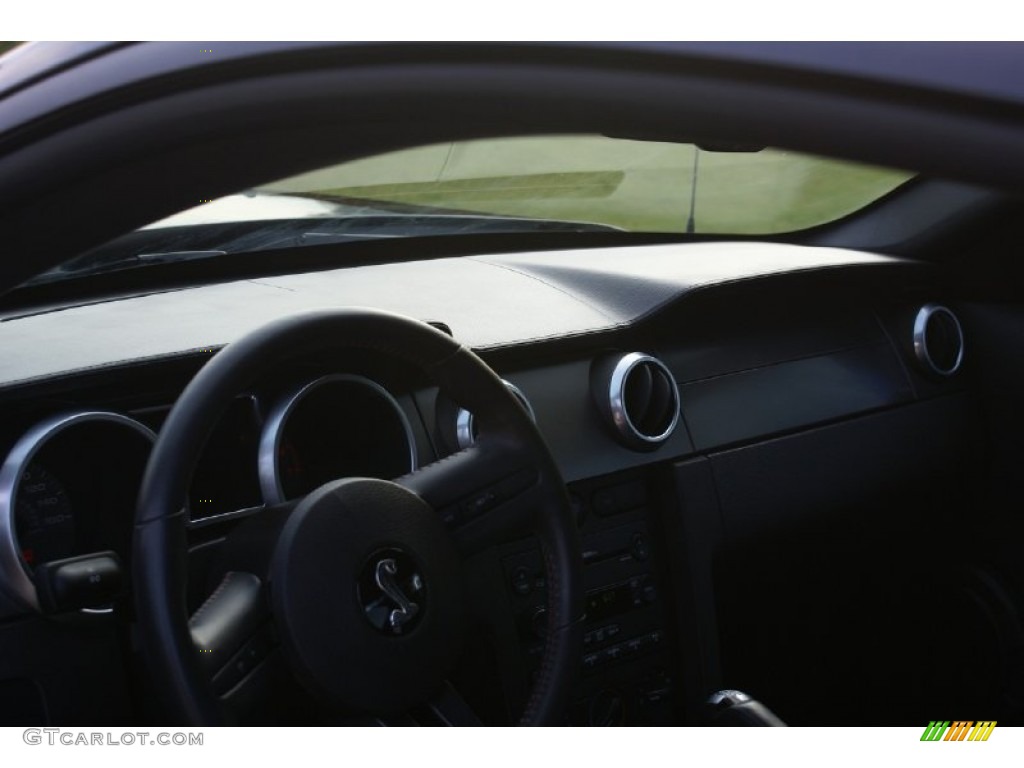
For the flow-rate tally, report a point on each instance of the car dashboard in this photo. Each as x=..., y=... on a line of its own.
x=763, y=445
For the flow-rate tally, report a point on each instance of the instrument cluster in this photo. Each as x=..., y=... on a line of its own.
x=69, y=484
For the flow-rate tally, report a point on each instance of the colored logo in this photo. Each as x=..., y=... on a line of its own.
x=960, y=730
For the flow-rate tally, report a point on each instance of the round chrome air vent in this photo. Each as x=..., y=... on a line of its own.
x=938, y=340
x=638, y=396
x=465, y=424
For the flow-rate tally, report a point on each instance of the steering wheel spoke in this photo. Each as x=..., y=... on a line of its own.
x=227, y=626
x=485, y=494
x=239, y=649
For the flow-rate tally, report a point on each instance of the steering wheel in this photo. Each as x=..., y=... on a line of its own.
x=356, y=589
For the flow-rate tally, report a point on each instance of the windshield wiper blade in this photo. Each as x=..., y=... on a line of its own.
x=137, y=260
x=200, y=242
x=73, y=269
x=167, y=256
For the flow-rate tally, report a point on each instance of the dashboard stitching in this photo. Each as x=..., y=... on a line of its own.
x=600, y=310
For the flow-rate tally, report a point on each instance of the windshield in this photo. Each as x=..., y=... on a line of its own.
x=573, y=183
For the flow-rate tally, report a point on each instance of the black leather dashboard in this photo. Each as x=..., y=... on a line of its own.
x=795, y=369
x=488, y=302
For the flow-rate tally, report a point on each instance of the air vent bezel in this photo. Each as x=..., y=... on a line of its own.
x=610, y=379
x=465, y=421
x=920, y=339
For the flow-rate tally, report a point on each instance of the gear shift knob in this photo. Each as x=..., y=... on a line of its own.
x=735, y=708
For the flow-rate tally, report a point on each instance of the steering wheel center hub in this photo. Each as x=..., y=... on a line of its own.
x=392, y=592
x=366, y=588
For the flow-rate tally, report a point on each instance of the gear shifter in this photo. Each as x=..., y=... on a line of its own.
x=735, y=708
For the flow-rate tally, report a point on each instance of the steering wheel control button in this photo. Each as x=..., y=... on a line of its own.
x=250, y=656
x=488, y=498
x=367, y=593
x=87, y=581
x=479, y=503
x=522, y=582
x=450, y=515
x=392, y=592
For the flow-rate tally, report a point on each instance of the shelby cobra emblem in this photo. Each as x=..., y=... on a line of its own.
x=392, y=592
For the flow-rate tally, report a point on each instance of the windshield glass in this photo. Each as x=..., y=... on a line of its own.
x=519, y=184
x=639, y=186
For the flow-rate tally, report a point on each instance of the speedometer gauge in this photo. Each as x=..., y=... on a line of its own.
x=68, y=488
x=44, y=519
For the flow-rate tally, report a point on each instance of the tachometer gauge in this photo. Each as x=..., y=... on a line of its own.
x=333, y=427
x=44, y=519
x=290, y=465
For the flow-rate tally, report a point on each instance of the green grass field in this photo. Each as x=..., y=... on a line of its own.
x=639, y=186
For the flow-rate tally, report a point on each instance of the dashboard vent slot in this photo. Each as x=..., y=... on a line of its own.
x=638, y=397
x=938, y=340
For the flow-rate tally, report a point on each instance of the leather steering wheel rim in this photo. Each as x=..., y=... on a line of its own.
x=160, y=550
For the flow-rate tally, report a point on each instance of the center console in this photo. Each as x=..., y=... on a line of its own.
x=626, y=668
